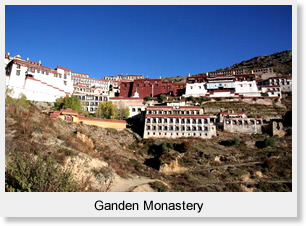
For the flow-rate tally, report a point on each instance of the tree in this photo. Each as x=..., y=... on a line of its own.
x=107, y=110
x=123, y=111
x=190, y=98
x=68, y=102
x=162, y=98
x=147, y=98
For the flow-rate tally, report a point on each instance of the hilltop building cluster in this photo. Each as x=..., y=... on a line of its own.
x=179, y=119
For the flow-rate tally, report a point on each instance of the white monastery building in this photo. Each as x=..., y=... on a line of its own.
x=222, y=86
x=35, y=81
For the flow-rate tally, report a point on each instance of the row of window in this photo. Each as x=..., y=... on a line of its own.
x=177, y=128
x=273, y=89
x=86, y=80
x=177, y=134
x=177, y=120
x=150, y=85
x=280, y=83
x=55, y=75
x=136, y=109
x=241, y=122
x=36, y=70
x=80, y=75
x=174, y=112
x=90, y=109
x=264, y=70
x=98, y=98
x=88, y=90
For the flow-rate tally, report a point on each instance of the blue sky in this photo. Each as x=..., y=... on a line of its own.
x=149, y=40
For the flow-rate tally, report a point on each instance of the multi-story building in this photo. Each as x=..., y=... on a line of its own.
x=90, y=102
x=91, y=82
x=246, y=85
x=227, y=72
x=37, y=82
x=285, y=83
x=151, y=87
x=239, y=123
x=196, y=86
x=271, y=91
x=263, y=73
x=178, y=121
x=75, y=75
x=259, y=73
x=135, y=105
x=83, y=88
x=222, y=86
x=221, y=83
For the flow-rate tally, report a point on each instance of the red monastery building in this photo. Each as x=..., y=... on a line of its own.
x=151, y=87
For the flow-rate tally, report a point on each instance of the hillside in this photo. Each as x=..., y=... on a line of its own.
x=280, y=61
x=62, y=156
x=174, y=79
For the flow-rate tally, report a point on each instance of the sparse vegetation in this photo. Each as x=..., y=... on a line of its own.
x=108, y=110
x=207, y=165
x=162, y=98
x=37, y=174
x=68, y=102
x=269, y=141
x=147, y=98
x=159, y=186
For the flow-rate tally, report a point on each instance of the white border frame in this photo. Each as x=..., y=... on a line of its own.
x=271, y=204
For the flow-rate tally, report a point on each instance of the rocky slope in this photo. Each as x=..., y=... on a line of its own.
x=47, y=154
x=280, y=61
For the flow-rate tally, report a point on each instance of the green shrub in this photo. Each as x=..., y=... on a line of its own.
x=159, y=186
x=269, y=141
x=37, y=174
x=190, y=98
x=147, y=98
x=182, y=147
x=67, y=152
x=162, y=98
x=236, y=141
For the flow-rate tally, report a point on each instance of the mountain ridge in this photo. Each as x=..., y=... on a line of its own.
x=280, y=61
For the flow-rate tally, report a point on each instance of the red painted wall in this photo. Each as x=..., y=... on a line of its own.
x=145, y=87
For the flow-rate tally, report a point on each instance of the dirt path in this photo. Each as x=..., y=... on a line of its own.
x=123, y=185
